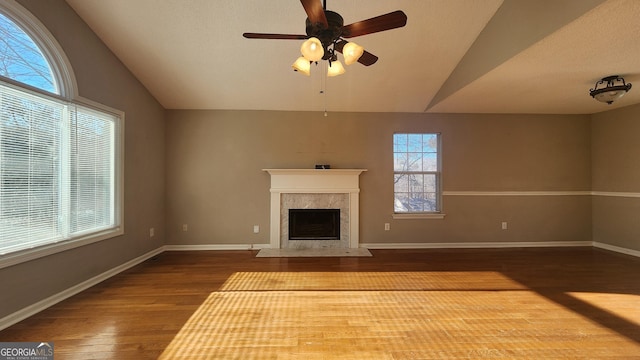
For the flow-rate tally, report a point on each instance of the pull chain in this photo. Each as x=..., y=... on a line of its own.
x=324, y=87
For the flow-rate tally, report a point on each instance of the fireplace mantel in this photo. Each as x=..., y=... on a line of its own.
x=319, y=181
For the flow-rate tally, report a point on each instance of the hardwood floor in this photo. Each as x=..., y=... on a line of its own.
x=560, y=303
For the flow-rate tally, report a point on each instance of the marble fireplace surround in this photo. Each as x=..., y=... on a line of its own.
x=314, y=188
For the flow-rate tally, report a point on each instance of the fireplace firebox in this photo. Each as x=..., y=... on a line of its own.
x=314, y=224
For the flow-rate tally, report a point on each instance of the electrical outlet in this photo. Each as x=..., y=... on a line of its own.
x=185, y=227
x=152, y=232
x=256, y=229
x=504, y=225
x=387, y=227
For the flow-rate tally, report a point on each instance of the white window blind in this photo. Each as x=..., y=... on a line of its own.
x=57, y=170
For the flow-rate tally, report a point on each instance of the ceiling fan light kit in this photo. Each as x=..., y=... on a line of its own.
x=614, y=89
x=302, y=66
x=312, y=49
x=325, y=31
x=352, y=52
x=335, y=68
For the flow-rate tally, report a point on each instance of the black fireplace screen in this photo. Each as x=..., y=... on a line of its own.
x=314, y=224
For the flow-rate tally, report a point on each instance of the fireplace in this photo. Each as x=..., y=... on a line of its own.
x=314, y=224
x=323, y=189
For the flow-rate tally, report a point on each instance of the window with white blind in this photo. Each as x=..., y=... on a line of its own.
x=60, y=160
x=57, y=170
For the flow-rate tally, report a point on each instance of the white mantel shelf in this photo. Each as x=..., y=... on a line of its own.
x=313, y=171
x=291, y=181
x=315, y=180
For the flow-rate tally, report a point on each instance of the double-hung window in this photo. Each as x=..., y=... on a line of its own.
x=60, y=160
x=416, y=173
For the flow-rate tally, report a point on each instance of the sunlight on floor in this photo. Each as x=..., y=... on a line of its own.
x=625, y=306
x=377, y=315
x=436, y=280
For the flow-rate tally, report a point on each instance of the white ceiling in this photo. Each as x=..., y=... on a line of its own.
x=453, y=56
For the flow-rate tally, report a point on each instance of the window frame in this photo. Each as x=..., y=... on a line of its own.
x=67, y=88
x=437, y=214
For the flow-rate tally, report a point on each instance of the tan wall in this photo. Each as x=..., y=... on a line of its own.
x=216, y=186
x=616, y=169
x=101, y=78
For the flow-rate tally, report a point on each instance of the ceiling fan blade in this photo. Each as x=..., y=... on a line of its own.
x=384, y=22
x=274, y=36
x=367, y=58
x=315, y=12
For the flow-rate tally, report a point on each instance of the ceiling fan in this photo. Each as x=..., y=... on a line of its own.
x=325, y=32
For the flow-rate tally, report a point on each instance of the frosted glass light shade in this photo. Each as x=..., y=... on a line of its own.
x=610, y=96
x=335, y=68
x=352, y=52
x=312, y=49
x=302, y=65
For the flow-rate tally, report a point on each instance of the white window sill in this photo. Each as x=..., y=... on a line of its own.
x=428, y=216
x=25, y=255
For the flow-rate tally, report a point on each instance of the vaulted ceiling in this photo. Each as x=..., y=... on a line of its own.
x=453, y=56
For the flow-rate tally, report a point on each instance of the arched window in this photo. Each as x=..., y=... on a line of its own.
x=30, y=55
x=60, y=157
x=21, y=59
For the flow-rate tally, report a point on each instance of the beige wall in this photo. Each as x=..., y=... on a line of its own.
x=616, y=171
x=101, y=78
x=216, y=186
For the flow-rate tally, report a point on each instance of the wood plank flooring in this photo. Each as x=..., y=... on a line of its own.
x=559, y=303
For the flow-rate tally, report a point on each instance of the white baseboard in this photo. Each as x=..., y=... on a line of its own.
x=618, y=249
x=477, y=245
x=216, y=247
x=33, y=309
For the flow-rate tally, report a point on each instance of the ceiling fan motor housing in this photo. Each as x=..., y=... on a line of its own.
x=329, y=35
